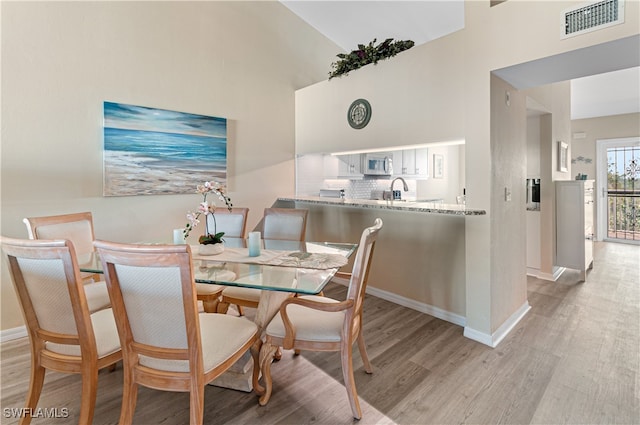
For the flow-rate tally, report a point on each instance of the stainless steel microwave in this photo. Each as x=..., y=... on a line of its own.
x=377, y=164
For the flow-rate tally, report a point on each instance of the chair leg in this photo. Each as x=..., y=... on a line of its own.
x=240, y=311
x=266, y=354
x=129, y=397
x=35, y=388
x=89, y=392
x=349, y=381
x=196, y=404
x=363, y=352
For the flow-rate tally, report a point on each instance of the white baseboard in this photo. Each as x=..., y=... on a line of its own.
x=557, y=272
x=456, y=319
x=494, y=339
x=13, y=333
x=448, y=316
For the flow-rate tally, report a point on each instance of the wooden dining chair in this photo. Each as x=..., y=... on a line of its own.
x=284, y=223
x=234, y=225
x=318, y=323
x=166, y=344
x=277, y=224
x=63, y=334
x=78, y=228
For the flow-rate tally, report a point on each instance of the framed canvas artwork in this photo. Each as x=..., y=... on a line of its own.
x=150, y=151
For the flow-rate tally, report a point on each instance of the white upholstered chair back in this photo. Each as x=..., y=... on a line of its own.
x=76, y=227
x=45, y=281
x=284, y=223
x=154, y=301
x=233, y=223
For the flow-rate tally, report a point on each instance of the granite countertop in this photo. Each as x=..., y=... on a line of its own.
x=409, y=206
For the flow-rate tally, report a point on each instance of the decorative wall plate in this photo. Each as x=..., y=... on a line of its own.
x=359, y=114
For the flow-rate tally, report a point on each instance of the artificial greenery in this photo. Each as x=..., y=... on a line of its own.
x=368, y=54
x=210, y=239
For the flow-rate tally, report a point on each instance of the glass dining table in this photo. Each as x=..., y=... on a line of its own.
x=281, y=269
x=285, y=266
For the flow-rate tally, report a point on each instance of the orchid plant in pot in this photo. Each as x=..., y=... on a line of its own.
x=210, y=243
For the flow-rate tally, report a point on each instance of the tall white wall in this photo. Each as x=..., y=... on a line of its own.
x=416, y=97
x=61, y=60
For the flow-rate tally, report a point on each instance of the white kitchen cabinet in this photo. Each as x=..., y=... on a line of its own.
x=350, y=166
x=574, y=224
x=412, y=163
x=422, y=162
x=330, y=167
x=397, y=163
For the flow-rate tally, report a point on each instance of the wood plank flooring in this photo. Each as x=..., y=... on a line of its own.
x=574, y=359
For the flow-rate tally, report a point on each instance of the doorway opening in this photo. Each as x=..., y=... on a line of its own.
x=618, y=168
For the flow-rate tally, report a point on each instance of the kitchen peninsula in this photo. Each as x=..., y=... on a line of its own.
x=419, y=260
x=397, y=205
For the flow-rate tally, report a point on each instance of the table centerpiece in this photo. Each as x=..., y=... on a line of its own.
x=210, y=243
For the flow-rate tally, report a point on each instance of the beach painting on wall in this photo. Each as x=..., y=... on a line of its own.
x=149, y=151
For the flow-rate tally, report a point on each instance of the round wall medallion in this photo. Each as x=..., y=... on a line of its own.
x=359, y=114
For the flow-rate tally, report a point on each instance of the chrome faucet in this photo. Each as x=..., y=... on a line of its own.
x=389, y=195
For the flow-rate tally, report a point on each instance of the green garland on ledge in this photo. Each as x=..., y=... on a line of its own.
x=368, y=54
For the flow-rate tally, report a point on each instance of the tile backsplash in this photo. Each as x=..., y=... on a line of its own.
x=362, y=189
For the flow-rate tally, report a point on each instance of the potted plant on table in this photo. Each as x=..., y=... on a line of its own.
x=210, y=243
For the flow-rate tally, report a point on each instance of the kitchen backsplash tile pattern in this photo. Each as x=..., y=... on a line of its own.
x=355, y=189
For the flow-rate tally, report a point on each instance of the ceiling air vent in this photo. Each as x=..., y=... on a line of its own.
x=591, y=17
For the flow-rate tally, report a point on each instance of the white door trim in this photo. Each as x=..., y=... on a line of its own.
x=601, y=178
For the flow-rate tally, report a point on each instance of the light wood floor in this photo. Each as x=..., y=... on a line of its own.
x=573, y=359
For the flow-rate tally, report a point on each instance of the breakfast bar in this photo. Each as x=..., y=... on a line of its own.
x=420, y=256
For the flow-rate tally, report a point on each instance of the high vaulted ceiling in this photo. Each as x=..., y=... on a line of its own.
x=349, y=23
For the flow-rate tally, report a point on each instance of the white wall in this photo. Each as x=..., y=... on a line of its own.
x=451, y=184
x=533, y=147
x=61, y=60
x=416, y=97
x=508, y=153
x=610, y=127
